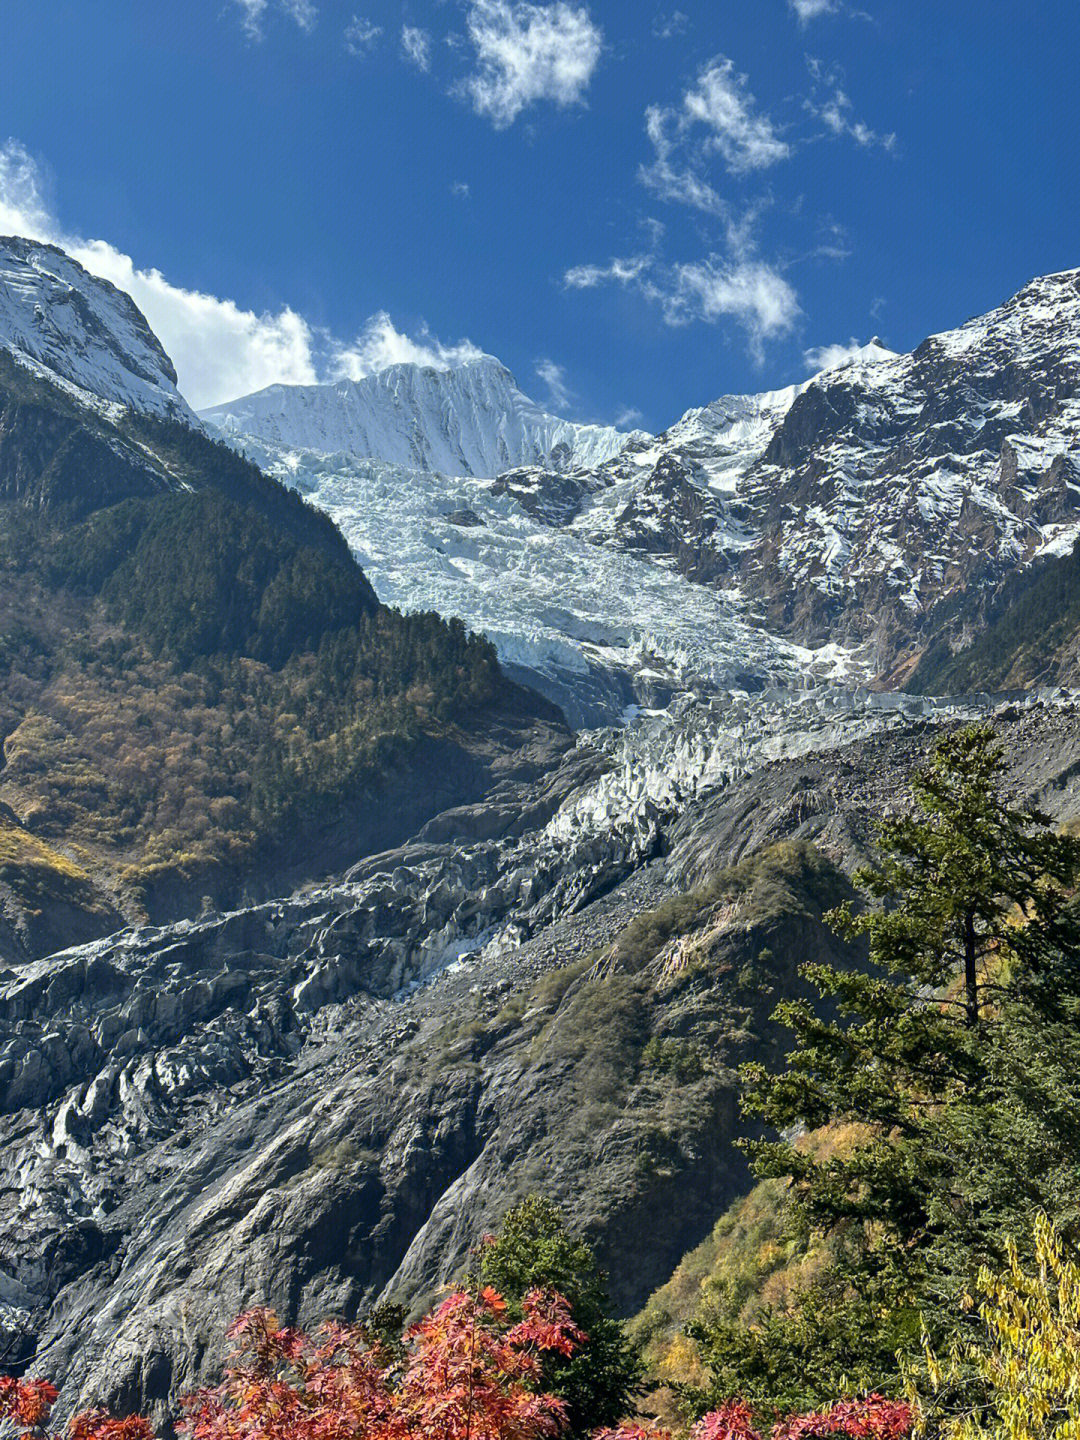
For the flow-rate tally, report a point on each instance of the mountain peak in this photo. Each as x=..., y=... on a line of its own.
x=81, y=332
x=469, y=419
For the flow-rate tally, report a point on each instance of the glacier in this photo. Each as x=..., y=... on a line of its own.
x=799, y=536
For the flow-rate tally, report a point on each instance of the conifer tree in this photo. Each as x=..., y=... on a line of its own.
x=535, y=1250
x=953, y=1055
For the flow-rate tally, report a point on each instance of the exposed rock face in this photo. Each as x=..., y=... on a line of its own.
x=323, y=1099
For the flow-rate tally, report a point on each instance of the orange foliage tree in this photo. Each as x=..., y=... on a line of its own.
x=464, y=1372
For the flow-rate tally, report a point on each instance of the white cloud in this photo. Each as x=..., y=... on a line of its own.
x=747, y=290
x=416, y=46
x=722, y=103
x=673, y=175
x=302, y=11
x=380, y=344
x=837, y=356
x=24, y=208
x=220, y=350
x=559, y=395
x=253, y=13
x=831, y=357
x=460, y=188
x=628, y=418
x=808, y=10
x=527, y=53
x=835, y=112
x=750, y=292
x=588, y=277
x=717, y=116
x=667, y=26
x=361, y=35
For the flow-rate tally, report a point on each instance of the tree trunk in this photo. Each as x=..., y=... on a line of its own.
x=971, y=979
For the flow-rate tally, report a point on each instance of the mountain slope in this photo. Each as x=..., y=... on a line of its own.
x=327, y=1098
x=201, y=696
x=468, y=420
x=1029, y=636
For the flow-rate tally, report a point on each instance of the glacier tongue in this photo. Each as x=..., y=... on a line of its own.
x=468, y=420
x=598, y=629
x=82, y=333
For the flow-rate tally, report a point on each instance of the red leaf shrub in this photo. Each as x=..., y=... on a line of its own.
x=26, y=1402
x=464, y=1373
x=874, y=1418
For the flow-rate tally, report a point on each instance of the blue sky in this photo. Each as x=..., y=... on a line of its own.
x=637, y=207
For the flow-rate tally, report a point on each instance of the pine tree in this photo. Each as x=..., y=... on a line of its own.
x=954, y=1054
x=535, y=1251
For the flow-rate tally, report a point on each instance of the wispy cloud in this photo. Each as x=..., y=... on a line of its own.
x=528, y=53
x=302, y=11
x=381, y=344
x=830, y=104
x=460, y=188
x=361, y=35
x=751, y=292
x=807, y=10
x=668, y=24
x=838, y=356
x=673, y=174
x=717, y=116
x=220, y=350
x=628, y=418
x=253, y=14
x=416, y=46
x=624, y=271
x=742, y=288
x=559, y=394
x=723, y=105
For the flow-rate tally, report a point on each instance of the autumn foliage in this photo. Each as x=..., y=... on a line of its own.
x=464, y=1372
x=874, y=1418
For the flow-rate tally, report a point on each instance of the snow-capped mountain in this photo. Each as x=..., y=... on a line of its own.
x=845, y=510
x=470, y=419
x=82, y=333
x=815, y=528
x=891, y=486
x=825, y=530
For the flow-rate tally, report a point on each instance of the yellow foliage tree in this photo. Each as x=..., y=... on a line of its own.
x=1021, y=1380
